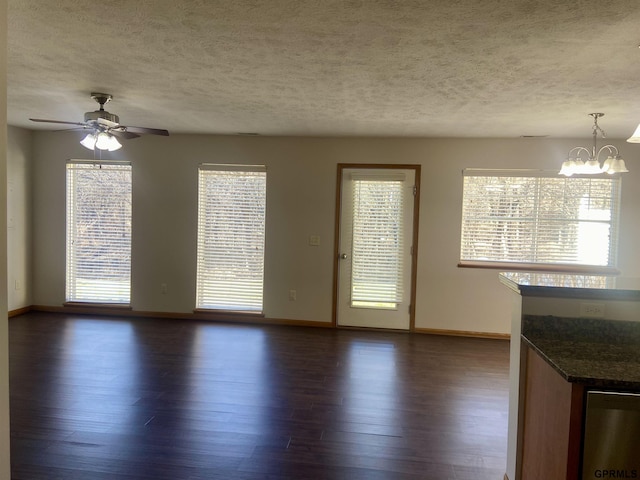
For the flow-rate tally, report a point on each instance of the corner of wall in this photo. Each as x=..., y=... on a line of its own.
x=19, y=215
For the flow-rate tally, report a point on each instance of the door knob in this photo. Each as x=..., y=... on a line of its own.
x=343, y=256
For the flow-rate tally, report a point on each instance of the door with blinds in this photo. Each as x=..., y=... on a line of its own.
x=375, y=257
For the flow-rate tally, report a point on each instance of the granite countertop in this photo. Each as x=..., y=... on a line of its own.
x=592, y=287
x=596, y=353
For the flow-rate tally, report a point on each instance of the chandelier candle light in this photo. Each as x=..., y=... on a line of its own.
x=590, y=165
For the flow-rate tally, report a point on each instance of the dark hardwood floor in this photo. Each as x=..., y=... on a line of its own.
x=96, y=398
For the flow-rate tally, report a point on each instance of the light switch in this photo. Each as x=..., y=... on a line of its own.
x=314, y=240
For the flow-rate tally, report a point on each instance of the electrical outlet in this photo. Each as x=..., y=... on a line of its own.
x=592, y=310
x=292, y=295
x=163, y=288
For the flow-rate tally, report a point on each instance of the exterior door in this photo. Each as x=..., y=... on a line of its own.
x=375, y=261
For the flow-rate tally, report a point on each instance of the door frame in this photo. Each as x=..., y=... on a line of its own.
x=414, y=240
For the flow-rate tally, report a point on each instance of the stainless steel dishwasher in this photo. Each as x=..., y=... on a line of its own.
x=611, y=436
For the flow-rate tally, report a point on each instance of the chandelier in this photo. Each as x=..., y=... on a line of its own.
x=582, y=161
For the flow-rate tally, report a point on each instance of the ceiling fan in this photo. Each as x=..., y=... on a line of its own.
x=105, y=127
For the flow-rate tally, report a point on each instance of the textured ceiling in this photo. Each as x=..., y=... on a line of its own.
x=469, y=68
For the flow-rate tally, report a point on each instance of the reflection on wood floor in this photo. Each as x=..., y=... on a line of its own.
x=96, y=398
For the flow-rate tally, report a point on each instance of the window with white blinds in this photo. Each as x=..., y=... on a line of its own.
x=377, y=243
x=231, y=237
x=520, y=217
x=98, y=232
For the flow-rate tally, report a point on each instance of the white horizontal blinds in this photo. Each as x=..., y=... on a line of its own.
x=98, y=232
x=231, y=237
x=377, y=243
x=540, y=219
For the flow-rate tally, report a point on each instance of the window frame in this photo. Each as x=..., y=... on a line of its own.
x=73, y=295
x=391, y=266
x=575, y=268
x=208, y=305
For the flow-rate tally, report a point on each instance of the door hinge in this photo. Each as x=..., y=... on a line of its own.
x=415, y=190
x=409, y=309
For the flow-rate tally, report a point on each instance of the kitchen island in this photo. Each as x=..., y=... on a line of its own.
x=566, y=331
x=597, y=353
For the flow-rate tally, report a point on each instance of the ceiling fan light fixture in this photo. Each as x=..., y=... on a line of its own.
x=103, y=142
x=101, y=124
x=107, y=141
x=89, y=141
x=114, y=144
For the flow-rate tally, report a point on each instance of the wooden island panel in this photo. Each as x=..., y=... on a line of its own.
x=552, y=423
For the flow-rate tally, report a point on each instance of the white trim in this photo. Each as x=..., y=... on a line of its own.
x=524, y=172
x=379, y=176
x=220, y=167
x=541, y=267
x=98, y=162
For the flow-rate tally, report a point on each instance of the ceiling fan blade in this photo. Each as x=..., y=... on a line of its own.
x=123, y=134
x=57, y=121
x=145, y=130
x=107, y=123
x=74, y=129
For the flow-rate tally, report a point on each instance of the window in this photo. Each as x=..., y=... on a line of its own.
x=98, y=232
x=377, y=243
x=231, y=236
x=539, y=220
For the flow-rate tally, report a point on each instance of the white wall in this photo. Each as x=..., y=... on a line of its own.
x=5, y=471
x=19, y=218
x=300, y=202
